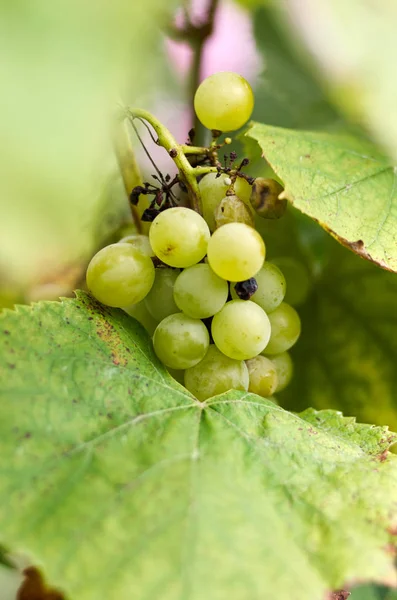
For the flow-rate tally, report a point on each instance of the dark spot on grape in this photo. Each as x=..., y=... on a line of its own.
x=246, y=289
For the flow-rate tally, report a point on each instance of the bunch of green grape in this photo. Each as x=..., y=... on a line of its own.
x=214, y=308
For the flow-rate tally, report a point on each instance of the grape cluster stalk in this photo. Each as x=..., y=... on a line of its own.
x=199, y=283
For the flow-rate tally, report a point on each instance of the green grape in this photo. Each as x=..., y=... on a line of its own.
x=179, y=237
x=271, y=288
x=263, y=376
x=160, y=300
x=178, y=375
x=233, y=210
x=236, y=252
x=224, y=101
x=286, y=328
x=284, y=368
x=140, y=242
x=241, y=330
x=216, y=374
x=180, y=342
x=142, y=315
x=120, y=275
x=297, y=277
x=199, y=293
x=213, y=189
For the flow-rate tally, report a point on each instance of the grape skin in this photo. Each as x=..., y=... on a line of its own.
x=241, y=330
x=232, y=209
x=284, y=368
x=263, y=376
x=199, y=293
x=286, y=328
x=120, y=275
x=140, y=242
x=180, y=342
x=142, y=315
x=160, y=300
x=236, y=252
x=224, y=101
x=179, y=237
x=213, y=189
x=216, y=374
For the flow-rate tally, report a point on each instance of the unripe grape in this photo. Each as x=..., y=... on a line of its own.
x=236, y=252
x=241, y=330
x=265, y=198
x=160, y=300
x=224, y=101
x=180, y=342
x=140, y=242
x=233, y=210
x=263, y=376
x=284, y=368
x=286, y=328
x=179, y=237
x=142, y=315
x=216, y=374
x=120, y=275
x=178, y=375
x=213, y=189
x=199, y=292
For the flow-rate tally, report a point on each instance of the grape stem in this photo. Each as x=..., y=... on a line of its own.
x=187, y=173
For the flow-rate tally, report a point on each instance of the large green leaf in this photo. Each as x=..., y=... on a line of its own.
x=341, y=181
x=357, y=73
x=65, y=65
x=123, y=485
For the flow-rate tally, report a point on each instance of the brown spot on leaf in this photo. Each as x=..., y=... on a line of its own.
x=108, y=334
x=382, y=457
x=6, y=332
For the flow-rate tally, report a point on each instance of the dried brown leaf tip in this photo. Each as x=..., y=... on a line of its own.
x=33, y=587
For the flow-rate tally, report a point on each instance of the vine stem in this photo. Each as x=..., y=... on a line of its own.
x=188, y=174
x=128, y=166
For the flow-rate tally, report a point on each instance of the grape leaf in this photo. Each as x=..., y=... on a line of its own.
x=356, y=73
x=122, y=484
x=341, y=181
